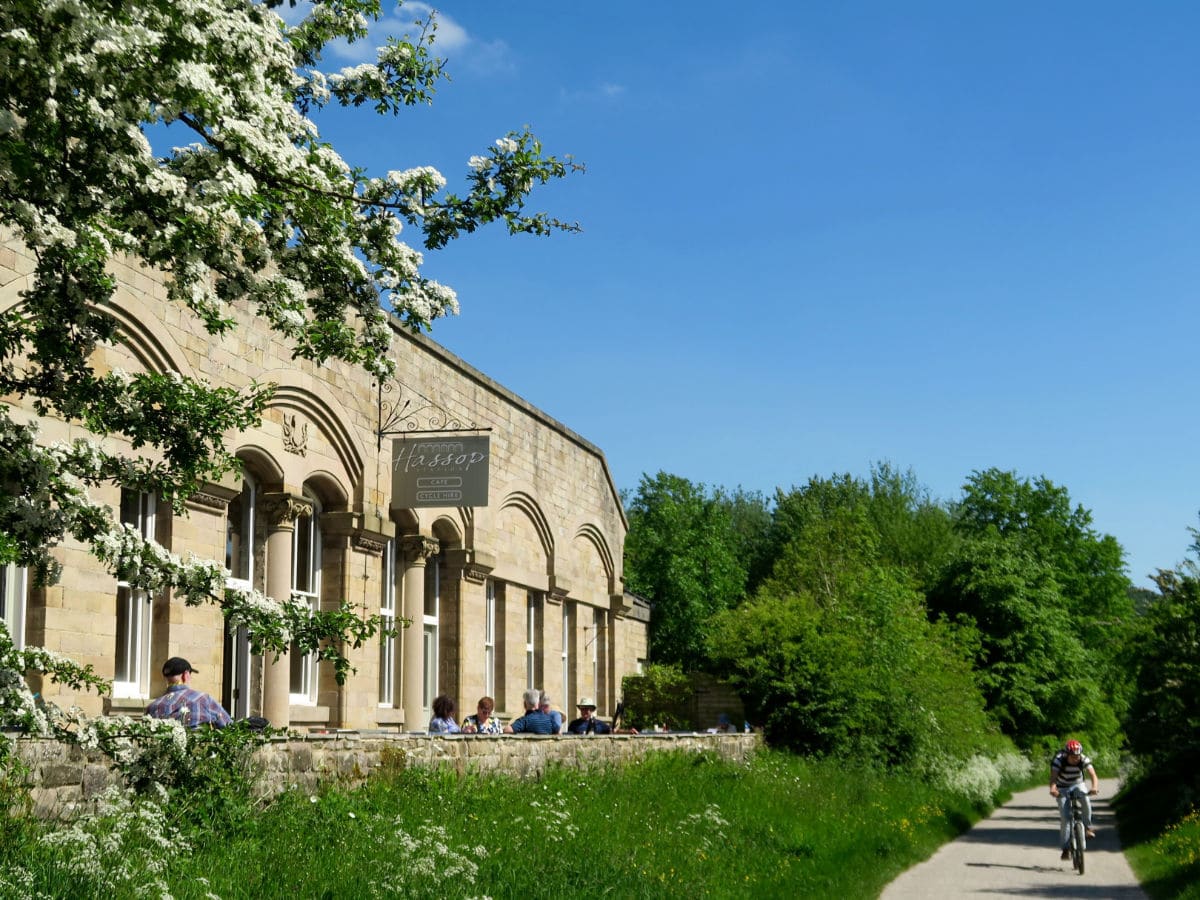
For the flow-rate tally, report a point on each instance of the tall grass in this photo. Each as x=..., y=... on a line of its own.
x=678, y=825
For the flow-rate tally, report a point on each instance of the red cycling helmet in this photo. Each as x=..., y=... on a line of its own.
x=1074, y=747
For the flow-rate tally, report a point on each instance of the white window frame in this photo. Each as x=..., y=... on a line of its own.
x=598, y=631
x=489, y=639
x=387, y=616
x=431, y=619
x=531, y=605
x=238, y=644
x=13, y=586
x=566, y=651
x=304, y=666
x=131, y=662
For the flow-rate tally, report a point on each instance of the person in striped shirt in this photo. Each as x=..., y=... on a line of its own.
x=1066, y=771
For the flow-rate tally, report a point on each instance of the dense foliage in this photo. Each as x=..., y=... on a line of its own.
x=1051, y=600
x=681, y=553
x=1159, y=806
x=873, y=617
x=657, y=698
x=834, y=653
x=1164, y=719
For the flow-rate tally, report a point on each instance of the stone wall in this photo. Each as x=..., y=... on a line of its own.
x=60, y=776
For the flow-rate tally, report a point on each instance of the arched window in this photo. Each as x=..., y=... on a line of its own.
x=306, y=589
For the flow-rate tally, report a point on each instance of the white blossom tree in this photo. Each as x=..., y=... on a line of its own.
x=255, y=208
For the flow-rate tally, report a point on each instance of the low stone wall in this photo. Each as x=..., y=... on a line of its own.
x=60, y=776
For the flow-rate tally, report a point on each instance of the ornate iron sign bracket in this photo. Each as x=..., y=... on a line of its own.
x=411, y=412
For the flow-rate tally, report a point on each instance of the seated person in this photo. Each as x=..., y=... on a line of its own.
x=725, y=724
x=483, y=722
x=587, y=723
x=534, y=721
x=183, y=702
x=443, y=716
x=546, y=705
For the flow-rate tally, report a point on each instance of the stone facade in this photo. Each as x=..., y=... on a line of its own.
x=525, y=591
x=60, y=777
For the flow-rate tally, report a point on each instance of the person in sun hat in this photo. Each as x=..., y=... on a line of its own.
x=183, y=702
x=1066, y=771
x=587, y=723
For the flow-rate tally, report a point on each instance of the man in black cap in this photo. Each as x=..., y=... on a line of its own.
x=182, y=702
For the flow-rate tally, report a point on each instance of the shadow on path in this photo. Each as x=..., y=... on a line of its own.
x=1015, y=853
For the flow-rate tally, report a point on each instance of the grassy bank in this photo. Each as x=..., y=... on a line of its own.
x=680, y=825
x=1160, y=829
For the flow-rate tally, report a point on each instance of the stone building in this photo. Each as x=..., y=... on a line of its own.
x=523, y=591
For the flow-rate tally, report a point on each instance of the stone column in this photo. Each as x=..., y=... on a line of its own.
x=280, y=511
x=417, y=550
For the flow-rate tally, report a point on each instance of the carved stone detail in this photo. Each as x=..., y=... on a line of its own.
x=295, y=434
x=371, y=545
x=280, y=511
x=202, y=500
x=475, y=573
x=417, y=548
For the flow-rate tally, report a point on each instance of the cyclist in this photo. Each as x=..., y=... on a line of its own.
x=1066, y=771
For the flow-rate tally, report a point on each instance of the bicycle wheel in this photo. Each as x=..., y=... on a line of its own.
x=1077, y=845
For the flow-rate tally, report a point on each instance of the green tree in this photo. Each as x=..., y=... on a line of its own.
x=253, y=207
x=860, y=672
x=835, y=652
x=1163, y=724
x=680, y=553
x=909, y=530
x=750, y=529
x=1050, y=599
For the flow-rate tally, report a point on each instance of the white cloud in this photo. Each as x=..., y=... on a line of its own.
x=452, y=41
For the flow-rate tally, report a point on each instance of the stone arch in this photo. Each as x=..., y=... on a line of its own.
x=593, y=536
x=527, y=504
x=260, y=463
x=447, y=531
x=143, y=336
x=317, y=404
x=329, y=489
x=149, y=342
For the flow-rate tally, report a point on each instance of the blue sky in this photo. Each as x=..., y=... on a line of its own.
x=819, y=235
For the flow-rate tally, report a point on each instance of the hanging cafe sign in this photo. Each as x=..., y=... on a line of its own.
x=442, y=467
x=441, y=471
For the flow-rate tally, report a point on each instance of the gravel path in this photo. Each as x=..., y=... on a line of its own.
x=1015, y=853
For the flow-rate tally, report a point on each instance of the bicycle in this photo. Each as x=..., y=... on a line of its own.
x=1078, y=833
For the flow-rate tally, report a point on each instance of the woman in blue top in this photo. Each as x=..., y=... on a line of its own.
x=443, y=716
